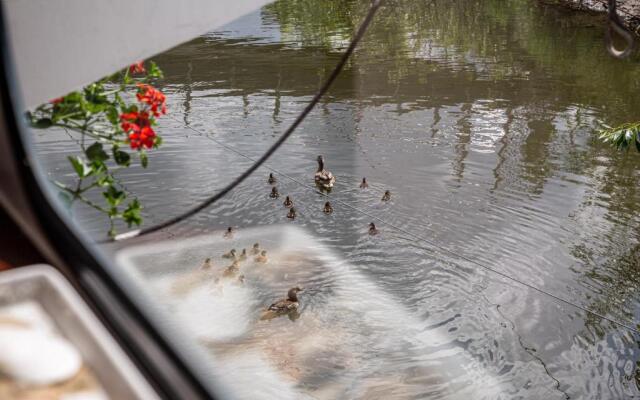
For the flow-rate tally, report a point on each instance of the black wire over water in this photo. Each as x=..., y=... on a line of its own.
x=614, y=24
x=375, y=5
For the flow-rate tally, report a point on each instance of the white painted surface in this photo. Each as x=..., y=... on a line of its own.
x=60, y=45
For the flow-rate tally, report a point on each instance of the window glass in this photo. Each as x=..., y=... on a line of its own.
x=479, y=119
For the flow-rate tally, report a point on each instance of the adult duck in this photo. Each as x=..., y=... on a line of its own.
x=324, y=178
x=284, y=306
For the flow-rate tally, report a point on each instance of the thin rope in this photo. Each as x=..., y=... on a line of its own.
x=626, y=325
x=375, y=5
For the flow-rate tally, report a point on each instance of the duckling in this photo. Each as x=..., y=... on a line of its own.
x=386, y=196
x=241, y=279
x=206, y=264
x=230, y=254
x=274, y=193
x=262, y=258
x=243, y=255
x=272, y=179
x=228, y=233
x=292, y=213
x=256, y=249
x=288, y=202
x=323, y=177
x=327, y=208
x=364, y=184
x=283, y=306
x=373, y=230
x=231, y=270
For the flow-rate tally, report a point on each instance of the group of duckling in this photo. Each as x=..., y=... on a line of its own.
x=288, y=305
x=231, y=271
x=325, y=180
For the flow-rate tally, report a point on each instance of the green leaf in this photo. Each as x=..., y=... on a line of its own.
x=144, y=159
x=112, y=115
x=95, y=152
x=131, y=214
x=105, y=180
x=42, y=123
x=154, y=71
x=81, y=168
x=114, y=196
x=121, y=157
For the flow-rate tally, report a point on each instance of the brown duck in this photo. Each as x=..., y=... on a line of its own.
x=231, y=270
x=324, y=178
x=364, y=184
x=230, y=254
x=256, y=249
x=386, y=196
x=327, y=208
x=272, y=179
x=284, y=306
x=262, y=258
x=274, y=193
x=228, y=233
x=292, y=213
x=206, y=264
x=288, y=202
x=372, y=229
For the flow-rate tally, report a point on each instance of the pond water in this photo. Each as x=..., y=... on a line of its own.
x=479, y=117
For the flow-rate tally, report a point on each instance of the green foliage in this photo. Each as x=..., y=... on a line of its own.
x=93, y=116
x=623, y=136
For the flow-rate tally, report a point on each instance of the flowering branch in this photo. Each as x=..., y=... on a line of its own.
x=107, y=124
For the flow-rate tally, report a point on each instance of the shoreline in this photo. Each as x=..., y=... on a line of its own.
x=628, y=10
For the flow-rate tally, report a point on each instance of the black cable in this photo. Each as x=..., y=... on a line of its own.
x=375, y=5
x=615, y=24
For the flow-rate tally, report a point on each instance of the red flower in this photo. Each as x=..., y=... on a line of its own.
x=57, y=100
x=151, y=96
x=137, y=68
x=138, y=126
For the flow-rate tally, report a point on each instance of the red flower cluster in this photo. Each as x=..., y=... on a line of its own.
x=151, y=96
x=138, y=126
x=137, y=68
x=57, y=100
